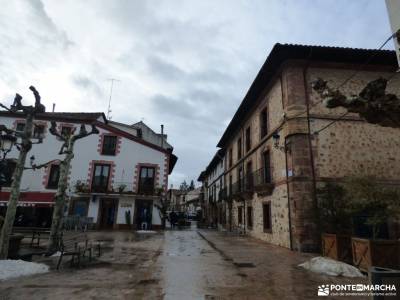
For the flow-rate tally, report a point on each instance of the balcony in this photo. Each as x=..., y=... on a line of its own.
x=81, y=187
x=262, y=181
x=223, y=194
x=257, y=182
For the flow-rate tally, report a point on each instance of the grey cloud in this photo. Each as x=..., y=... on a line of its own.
x=186, y=64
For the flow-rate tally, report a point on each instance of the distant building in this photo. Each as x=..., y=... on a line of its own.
x=176, y=199
x=212, y=178
x=116, y=177
x=192, y=202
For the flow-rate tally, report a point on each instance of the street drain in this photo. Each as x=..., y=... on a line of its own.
x=244, y=265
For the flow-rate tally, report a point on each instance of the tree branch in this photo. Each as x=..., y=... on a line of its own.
x=53, y=131
x=5, y=107
x=83, y=133
x=36, y=167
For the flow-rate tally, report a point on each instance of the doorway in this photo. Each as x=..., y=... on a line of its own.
x=143, y=214
x=108, y=213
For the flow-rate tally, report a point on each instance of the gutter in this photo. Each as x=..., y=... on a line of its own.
x=314, y=182
x=288, y=195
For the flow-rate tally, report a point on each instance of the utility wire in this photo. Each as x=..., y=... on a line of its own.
x=347, y=80
x=346, y=113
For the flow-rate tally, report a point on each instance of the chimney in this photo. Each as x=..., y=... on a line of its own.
x=54, y=107
x=162, y=136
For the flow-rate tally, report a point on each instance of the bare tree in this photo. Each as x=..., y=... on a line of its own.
x=24, y=147
x=372, y=103
x=67, y=149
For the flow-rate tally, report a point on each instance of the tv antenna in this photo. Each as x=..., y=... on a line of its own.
x=109, y=100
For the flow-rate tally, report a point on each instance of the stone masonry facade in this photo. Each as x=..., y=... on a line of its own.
x=303, y=160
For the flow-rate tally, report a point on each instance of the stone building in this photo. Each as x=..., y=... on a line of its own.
x=212, y=179
x=274, y=160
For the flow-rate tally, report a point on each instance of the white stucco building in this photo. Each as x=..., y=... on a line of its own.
x=116, y=177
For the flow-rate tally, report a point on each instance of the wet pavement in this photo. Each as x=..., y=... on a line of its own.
x=181, y=264
x=192, y=269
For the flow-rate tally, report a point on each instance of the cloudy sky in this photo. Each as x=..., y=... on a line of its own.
x=184, y=64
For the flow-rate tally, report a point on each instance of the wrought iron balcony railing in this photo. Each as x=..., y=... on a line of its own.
x=81, y=187
x=259, y=181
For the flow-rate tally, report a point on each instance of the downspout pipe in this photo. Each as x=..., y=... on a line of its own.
x=312, y=164
x=288, y=195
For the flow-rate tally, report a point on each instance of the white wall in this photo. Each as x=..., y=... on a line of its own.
x=130, y=155
x=125, y=204
x=213, y=180
x=93, y=209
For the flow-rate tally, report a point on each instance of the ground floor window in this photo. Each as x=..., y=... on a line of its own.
x=267, y=217
x=240, y=215
x=249, y=217
x=79, y=207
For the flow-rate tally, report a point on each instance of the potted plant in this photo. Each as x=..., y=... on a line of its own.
x=335, y=222
x=81, y=187
x=121, y=188
x=365, y=196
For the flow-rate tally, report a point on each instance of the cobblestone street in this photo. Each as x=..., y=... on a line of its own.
x=186, y=264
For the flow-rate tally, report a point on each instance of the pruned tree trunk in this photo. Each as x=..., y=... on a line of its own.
x=59, y=199
x=65, y=166
x=15, y=189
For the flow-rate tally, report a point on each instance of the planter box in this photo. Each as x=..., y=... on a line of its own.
x=377, y=253
x=14, y=245
x=337, y=246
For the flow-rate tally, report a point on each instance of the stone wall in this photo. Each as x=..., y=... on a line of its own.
x=348, y=147
x=352, y=146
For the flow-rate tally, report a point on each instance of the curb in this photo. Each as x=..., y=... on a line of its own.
x=212, y=244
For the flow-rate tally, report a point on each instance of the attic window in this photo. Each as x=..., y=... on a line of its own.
x=109, y=145
x=20, y=127
x=139, y=133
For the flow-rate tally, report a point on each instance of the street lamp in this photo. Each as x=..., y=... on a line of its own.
x=276, y=138
x=7, y=141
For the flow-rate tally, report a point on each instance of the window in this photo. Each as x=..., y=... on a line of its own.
x=80, y=207
x=101, y=175
x=249, y=217
x=267, y=217
x=240, y=215
x=239, y=148
x=109, y=145
x=146, y=181
x=38, y=132
x=139, y=133
x=66, y=130
x=9, y=171
x=249, y=175
x=54, y=177
x=267, y=167
x=230, y=184
x=240, y=179
x=264, y=122
x=20, y=127
x=230, y=157
x=248, y=139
